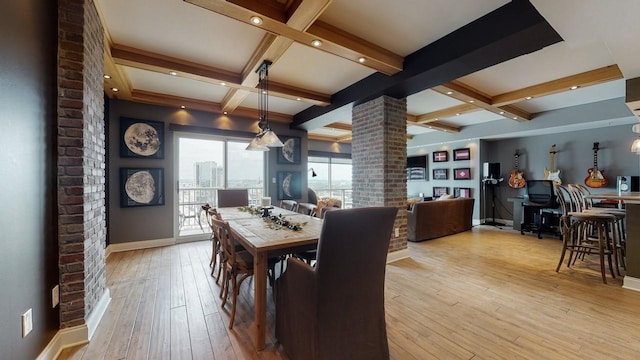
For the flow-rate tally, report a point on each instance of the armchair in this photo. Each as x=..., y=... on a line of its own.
x=335, y=310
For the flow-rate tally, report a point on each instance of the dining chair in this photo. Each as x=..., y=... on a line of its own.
x=233, y=197
x=335, y=310
x=307, y=209
x=290, y=205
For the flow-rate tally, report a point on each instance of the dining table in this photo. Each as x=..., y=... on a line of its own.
x=631, y=201
x=264, y=239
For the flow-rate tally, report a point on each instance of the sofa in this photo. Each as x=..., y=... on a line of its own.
x=432, y=219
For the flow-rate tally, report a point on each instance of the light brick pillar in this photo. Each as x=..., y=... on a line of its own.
x=81, y=161
x=379, y=155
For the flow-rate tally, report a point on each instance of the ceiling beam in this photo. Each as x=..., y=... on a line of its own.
x=271, y=47
x=145, y=60
x=435, y=125
x=512, y=30
x=462, y=92
x=337, y=43
x=339, y=126
x=445, y=113
x=153, y=98
x=593, y=77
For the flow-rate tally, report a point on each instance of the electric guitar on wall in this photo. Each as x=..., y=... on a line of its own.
x=516, y=179
x=596, y=178
x=552, y=174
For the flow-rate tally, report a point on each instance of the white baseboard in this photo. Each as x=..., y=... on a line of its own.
x=631, y=283
x=77, y=335
x=138, y=245
x=64, y=338
x=397, y=255
x=98, y=312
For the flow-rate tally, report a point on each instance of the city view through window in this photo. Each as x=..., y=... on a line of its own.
x=333, y=178
x=206, y=165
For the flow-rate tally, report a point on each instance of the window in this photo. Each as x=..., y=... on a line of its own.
x=208, y=163
x=333, y=178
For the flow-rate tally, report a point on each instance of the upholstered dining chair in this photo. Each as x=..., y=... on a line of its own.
x=335, y=310
x=291, y=205
x=233, y=197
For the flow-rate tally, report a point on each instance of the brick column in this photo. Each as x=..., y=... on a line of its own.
x=379, y=154
x=81, y=161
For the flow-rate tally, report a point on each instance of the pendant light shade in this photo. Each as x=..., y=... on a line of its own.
x=266, y=138
x=635, y=146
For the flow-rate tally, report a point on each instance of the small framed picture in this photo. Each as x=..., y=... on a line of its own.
x=439, y=191
x=461, y=154
x=441, y=156
x=141, y=138
x=462, y=192
x=440, y=174
x=290, y=152
x=141, y=187
x=462, y=174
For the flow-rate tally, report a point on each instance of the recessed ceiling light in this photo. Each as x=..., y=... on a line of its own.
x=449, y=92
x=225, y=113
x=223, y=83
x=501, y=112
x=574, y=87
x=437, y=119
x=472, y=101
x=264, y=91
x=115, y=89
x=361, y=59
x=316, y=43
x=515, y=118
x=107, y=76
x=173, y=73
x=298, y=99
x=182, y=107
x=457, y=114
x=256, y=20
x=528, y=98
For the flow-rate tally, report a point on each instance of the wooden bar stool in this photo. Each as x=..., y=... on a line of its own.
x=579, y=243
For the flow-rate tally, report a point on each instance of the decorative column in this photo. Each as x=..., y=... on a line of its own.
x=81, y=161
x=379, y=156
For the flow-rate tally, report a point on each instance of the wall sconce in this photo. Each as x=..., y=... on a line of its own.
x=313, y=173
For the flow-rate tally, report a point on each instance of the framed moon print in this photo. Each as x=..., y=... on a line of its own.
x=141, y=187
x=141, y=138
x=290, y=152
x=289, y=185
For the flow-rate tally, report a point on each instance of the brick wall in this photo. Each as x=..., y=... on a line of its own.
x=379, y=154
x=81, y=160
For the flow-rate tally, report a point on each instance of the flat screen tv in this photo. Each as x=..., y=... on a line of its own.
x=417, y=168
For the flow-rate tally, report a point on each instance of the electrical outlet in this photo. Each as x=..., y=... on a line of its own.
x=55, y=296
x=27, y=323
x=273, y=180
x=397, y=232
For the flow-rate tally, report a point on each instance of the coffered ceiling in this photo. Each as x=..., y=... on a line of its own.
x=459, y=63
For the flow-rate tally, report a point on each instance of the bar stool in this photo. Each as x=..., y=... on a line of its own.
x=577, y=241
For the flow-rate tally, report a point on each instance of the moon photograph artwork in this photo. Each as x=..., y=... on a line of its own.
x=141, y=187
x=289, y=185
x=290, y=152
x=141, y=138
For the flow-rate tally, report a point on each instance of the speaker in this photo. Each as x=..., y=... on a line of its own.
x=491, y=170
x=627, y=184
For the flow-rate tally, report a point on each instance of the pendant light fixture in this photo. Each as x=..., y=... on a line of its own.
x=266, y=138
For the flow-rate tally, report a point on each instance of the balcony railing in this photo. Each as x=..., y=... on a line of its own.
x=191, y=219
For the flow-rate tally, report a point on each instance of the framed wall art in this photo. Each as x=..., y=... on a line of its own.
x=462, y=192
x=141, y=187
x=440, y=156
x=462, y=174
x=289, y=185
x=141, y=138
x=461, y=154
x=440, y=174
x=290, y=152
x=439, y=191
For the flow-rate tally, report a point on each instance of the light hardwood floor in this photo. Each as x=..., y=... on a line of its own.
x=483, y=294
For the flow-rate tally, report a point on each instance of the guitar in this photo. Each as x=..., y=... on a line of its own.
x=596, y=178
x=552, y=174
x=516, y=179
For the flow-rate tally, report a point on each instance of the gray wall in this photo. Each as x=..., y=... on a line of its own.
x=132, y=224
x=574, y=156
x=28, y=256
